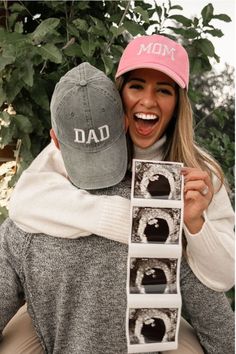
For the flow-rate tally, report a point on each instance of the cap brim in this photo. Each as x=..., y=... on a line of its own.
x=158, y=67
x=96, y=170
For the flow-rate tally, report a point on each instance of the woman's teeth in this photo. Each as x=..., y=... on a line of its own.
x=145, y=123
x=146, y=119
x=146, y=116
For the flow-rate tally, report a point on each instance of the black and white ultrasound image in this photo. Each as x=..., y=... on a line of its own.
x=153, y=276
x=152, y=325
x=155, y=225
x=158, y=181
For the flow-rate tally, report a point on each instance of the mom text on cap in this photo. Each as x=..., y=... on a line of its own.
x=157, y=48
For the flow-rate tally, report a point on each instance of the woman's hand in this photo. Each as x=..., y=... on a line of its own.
x=198, y=192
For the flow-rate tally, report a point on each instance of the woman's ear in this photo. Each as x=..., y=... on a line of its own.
x=54, y=138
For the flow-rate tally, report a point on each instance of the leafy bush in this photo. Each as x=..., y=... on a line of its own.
x=41, y=40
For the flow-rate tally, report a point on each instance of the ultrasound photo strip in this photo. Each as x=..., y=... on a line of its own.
x=160, y=180
x=156, y=225
x=153, y=287
x=149, y=326
x=153, y=276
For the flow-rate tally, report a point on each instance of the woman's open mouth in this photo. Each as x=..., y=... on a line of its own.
x=144, y=123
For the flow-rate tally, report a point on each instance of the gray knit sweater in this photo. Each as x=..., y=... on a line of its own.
x=76, y=292
x=75, y=289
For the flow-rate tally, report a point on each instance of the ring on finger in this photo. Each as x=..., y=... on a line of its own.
x=205, y=191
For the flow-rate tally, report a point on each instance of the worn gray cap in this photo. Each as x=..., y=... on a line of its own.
x=88, y=120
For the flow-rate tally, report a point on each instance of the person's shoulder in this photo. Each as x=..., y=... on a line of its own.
x=11, y=235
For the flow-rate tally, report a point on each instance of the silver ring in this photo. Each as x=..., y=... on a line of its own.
x=205, y=191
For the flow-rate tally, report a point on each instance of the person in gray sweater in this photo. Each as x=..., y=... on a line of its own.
x=76, y=288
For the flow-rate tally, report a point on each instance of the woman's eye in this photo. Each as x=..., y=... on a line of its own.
x=165, y=91
x=135, y=86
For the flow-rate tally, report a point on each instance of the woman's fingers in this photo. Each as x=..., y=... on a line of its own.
x=198, y=192
x=197, y=180
x=196, y=185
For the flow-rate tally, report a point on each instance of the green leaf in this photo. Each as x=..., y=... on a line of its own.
x=196, y=65
x=39, y=94
x=116, y=31
x=158, y=10
x=73, y=50
x=215, y=32
x=73, y=30
x=12, y=19
x=207, y=14
x=12, y=38
x=118, y=49
x=176, y=30
x=44, y=28
x=206, y=65
x=6, y=135
x=16, y=7
x=222, y=17
x=195, y=21
x=206, y=46
x=108, y=64
x=28, y=76
x=217, y=58
x=144, y=14
x=182, y=19
x=176, y=7
x=15, y=85
x=133, y=28
x=100, y=27
x=23, y=123
x=191, y=33
x=6, y=60
x=80, y=24
x=50, y=52
x=3, y=96
x=83, y=5
x=19, y=27
x=88, y=47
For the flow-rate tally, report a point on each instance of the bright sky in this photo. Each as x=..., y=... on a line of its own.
x=225, y=46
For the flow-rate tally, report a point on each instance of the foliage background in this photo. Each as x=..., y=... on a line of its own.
x=41, y=40
x=37, y=51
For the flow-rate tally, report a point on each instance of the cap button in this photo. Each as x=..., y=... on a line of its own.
x=83, y=83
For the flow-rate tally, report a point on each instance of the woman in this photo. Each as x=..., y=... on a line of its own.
x=153, y=79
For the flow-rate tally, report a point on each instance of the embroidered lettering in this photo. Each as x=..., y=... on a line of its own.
x=92, y=136
x=79, y=136
x=168, y=51
x=101, y=135
x=145, y=49
x=158, y=49
x=104, y=132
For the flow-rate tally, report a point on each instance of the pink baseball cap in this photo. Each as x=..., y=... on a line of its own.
x=159, y=53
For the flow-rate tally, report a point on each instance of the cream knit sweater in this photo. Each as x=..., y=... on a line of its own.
x=44, y=201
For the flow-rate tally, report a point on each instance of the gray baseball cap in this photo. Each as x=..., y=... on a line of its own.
x=88, y=119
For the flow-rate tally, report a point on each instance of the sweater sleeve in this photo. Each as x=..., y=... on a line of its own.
x=210, y=252
x=44, y=201
x=11, y=290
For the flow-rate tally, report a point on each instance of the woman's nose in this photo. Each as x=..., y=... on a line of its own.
x=149, y=99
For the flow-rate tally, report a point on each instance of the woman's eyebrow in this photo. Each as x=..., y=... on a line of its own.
x=158, y=82
x=166, y=83
x=135, y=79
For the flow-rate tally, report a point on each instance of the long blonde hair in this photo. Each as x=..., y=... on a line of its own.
x=181, y=145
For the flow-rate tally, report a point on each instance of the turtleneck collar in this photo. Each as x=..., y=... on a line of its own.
x=154, y=152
